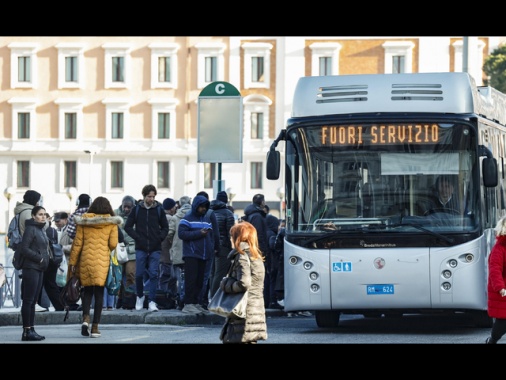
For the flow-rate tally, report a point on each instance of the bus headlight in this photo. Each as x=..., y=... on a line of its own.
x=293, y=260
x=452, y=263
x=446, y=286
x=315, y=287
x=313, y=276
x=307, y=265
x=469, y=258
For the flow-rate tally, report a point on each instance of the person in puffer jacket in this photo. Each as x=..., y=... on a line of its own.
x=201, y=240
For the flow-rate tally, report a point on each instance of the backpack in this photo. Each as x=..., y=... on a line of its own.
x=14, y=234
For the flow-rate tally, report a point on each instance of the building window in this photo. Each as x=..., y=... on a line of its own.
x=23, y=125
x=256, y=175
x=211, y=69
x=210, y=173
x=23, y=169
x=397, y=64
x=24, y=69
x=163, y=175
x=117, y=119
x=325, y=58
x=164, y=69
x=257, y=69
x=70, y=118
x=70, y=175
x=70, y=65
x=117, y=65
x=164, y=65
x=163, y=115
x=23, y=119
x=70, y=125
x=257, y=61
x=71, y=69
x=256, y=119
x=164, y=125
x=398, y=56
x=23, y=65
x=118, y=69
x=325, y=66
x=210, y=63
x=116, y=174
x=257, y=125
x=117, y=125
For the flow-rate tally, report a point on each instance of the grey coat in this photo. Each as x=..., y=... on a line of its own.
x=248, y=275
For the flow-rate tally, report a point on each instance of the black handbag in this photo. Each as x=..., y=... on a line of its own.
x=70, y=294
x=57, y=253
x=229, y=304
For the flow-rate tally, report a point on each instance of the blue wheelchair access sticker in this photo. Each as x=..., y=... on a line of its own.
x=342, y=267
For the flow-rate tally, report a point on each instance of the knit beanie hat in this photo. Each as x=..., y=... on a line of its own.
x=83, y=200
x=168, y=203
x=31, y=197
x=222, y=196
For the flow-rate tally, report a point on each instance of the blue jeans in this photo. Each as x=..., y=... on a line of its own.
x=178, y=273
x=146, y=265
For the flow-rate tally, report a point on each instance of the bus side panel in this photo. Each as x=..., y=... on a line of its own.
x=380, y=278
x=468, y=279
x=298, y=293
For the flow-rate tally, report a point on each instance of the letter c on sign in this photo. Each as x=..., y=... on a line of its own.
x=220, y=88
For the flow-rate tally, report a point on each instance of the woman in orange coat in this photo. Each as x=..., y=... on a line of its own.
x=96, y=237
x=497, y=284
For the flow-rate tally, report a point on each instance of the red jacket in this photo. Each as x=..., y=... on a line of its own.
x=496, y=279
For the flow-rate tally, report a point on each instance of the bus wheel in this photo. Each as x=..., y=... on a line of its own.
x=327, y=318
x=481, y=319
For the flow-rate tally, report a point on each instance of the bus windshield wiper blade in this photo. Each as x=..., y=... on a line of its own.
x=419, y=227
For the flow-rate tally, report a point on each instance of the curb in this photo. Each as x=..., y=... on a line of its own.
x=121, y=316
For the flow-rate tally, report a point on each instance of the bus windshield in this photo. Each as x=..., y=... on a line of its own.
x=382, y=176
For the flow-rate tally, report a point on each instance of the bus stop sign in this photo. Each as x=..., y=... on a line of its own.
x=220, y=123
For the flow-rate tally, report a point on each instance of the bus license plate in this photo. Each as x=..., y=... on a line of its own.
x=380, y=289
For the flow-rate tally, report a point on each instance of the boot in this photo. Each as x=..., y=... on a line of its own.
x=490, y=341
x=29, y=335
x=85, y=327
x=94, y=331
x=41, y=336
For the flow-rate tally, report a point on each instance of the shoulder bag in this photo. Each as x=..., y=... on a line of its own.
x=70, y=294
x=113, y=282
x=229, y=305
x=121, y=253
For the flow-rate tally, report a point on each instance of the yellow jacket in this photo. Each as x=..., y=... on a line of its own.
x=96, y=237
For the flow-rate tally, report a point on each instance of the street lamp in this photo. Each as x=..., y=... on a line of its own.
x=91, y=153
x=71, y=194
x=280, y=192
x=8, y=193
x=231, y=194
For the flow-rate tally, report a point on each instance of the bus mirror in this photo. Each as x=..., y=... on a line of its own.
x=489, y=169
x=273, y=164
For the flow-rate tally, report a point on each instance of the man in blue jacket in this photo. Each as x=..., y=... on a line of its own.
x=200, y=235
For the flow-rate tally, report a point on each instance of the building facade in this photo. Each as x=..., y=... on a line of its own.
x=108, y=115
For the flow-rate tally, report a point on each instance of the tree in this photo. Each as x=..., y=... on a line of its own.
x=495, y=68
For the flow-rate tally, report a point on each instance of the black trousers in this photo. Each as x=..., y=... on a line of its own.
x=31, y=286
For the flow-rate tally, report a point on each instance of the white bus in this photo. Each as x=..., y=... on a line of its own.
x=362, y=157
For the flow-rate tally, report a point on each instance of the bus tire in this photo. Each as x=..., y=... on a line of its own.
x=481, y=319
x=327, y=318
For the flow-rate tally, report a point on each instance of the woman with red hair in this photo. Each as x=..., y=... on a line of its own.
x=248, y=273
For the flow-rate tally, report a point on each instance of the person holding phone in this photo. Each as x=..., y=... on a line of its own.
x=200, y=235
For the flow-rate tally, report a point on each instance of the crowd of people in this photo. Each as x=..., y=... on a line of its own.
x=178, y=253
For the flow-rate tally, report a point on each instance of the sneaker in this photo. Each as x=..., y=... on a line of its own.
x=139, y=304
x=281, y=303
x=40, y=308
x=305, y=314
x=85, y=329
x=191, y=309
x=202, y=309
x=152, y=306
x=290, y=315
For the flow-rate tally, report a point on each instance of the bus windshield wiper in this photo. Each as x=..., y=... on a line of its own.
x=419, y=227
